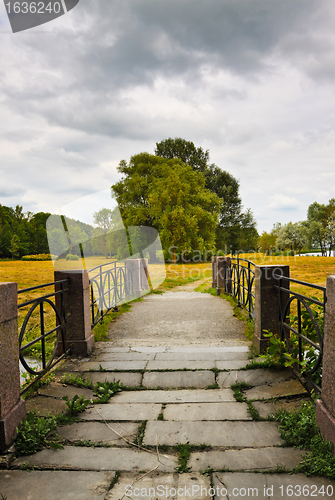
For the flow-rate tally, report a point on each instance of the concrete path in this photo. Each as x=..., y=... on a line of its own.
x=177, y=355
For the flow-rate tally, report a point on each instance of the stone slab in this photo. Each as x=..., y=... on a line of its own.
x=113, y=365
x=201, y=355
x=282, y=389
x=198, y=379
x=180, y=365
x=231, y=365
x=268, y=486
x=256, y=377
x=181, y=396
x=129, y=379
x=124, y=356
x=45, y=406
x=213, y=350
x=100, y=459
x=267, y=408
x=54, y=485
x=55, y=390
x=246, y=434
x=207, y=411
x=124, y=412
x=99, y=432
x=161, y=486
x=247, y=459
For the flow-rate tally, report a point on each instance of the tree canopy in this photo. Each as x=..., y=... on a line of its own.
x=235, y=229
x=170, y=196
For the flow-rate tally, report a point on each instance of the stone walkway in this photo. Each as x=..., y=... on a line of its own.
x=178, y=354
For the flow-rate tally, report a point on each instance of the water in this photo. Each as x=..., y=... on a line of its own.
x=35, y=364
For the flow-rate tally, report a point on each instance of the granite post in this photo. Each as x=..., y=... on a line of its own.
x=267, y=313
x=214, y=272
x=12, y=407
x=134, y=267
x=144, y=271
x=222, y=275
x=325, y=407
x=77, y=300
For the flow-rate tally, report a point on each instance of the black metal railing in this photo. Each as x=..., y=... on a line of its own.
x=110, y=285
x=42, y=330
x=240, y=283
x=301, y=326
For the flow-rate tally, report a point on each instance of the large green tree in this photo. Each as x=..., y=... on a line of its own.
x=170, y=196
x=235, y=229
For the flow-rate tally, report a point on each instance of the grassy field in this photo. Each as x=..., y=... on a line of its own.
x=26, y=274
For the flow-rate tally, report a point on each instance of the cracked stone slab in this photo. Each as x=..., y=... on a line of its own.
x=99, y=459
x=113, y=365
x=55, y=485
x=201, y=356
x=268, y=486
x=162, y=486
x=247, y=459
x=197, y=379
x=180, y=365
x=124, y=412
x=256, y=377
x=129, y=379
x=99, y=432
x=281, y=389
x=206, y=411
x=245, y=434
x=55, y=390
x=177, y=396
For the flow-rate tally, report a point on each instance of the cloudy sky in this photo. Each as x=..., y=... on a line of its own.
x=253, y=81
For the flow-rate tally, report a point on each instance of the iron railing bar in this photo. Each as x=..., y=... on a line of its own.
x=300, y=296
x=41, y=299
x=41, y=286
x=311, y=285
x=43, y=373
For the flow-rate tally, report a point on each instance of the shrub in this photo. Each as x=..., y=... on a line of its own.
x=71, y=256
x=41, y=256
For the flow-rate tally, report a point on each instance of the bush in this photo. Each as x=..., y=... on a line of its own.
x=71, y=256
x=41, y=256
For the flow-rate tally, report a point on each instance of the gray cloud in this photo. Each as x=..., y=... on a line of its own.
x=251, y=81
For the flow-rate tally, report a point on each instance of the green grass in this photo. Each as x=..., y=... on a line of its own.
x=298, y=428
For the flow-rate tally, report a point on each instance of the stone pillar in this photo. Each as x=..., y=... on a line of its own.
x=222, y=279
x=77, y=300
x=135, y=268
x=12, y=407
x=325, y=407
x=144, y=270
x=214, y=272
x=267, y=303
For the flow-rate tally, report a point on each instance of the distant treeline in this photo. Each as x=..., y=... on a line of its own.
x=25, y=233
x=22, y=233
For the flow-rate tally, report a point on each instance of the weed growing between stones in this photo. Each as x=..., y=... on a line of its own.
x=253, y=412
x=140, y=433
x=36, y=432
x=2, y=497
x=77, y=381
x=105, y=390
x=87, y=443
x=238, y=389
x=298, y=428
x=161, y=415
x=184, y=452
